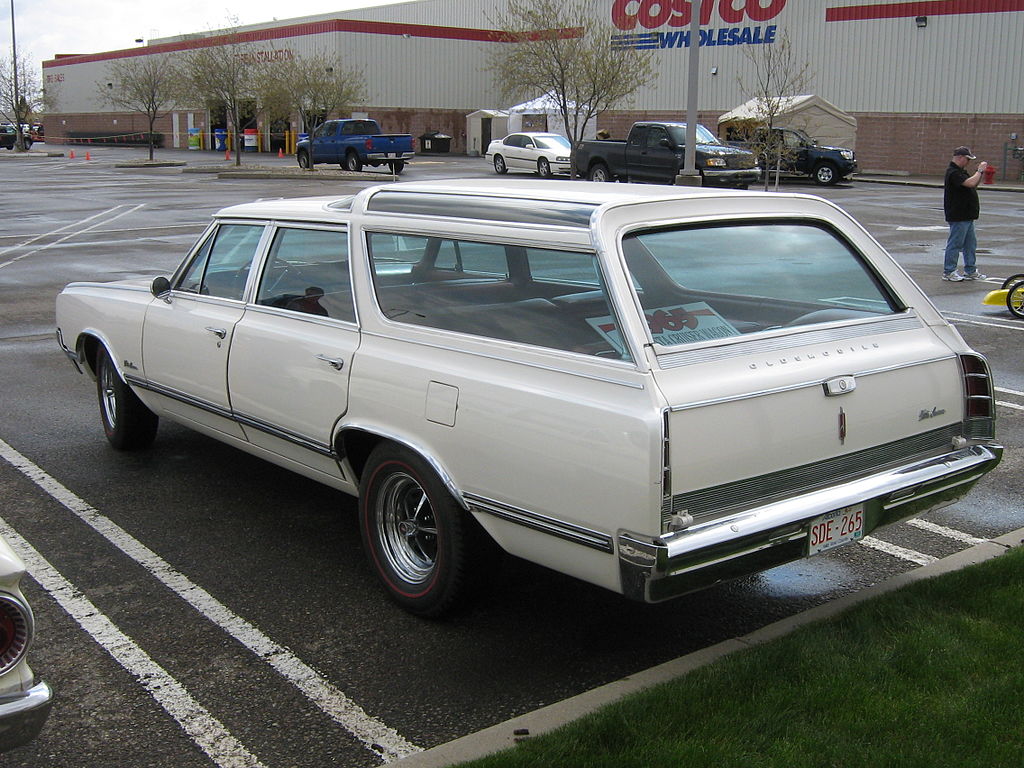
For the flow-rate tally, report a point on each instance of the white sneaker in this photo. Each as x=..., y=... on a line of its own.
x=975, y=276
x=953, y=277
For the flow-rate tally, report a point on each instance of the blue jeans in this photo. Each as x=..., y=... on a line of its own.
x=961, y=238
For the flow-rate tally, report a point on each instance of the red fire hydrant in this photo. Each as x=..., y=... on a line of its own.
x=990, y=174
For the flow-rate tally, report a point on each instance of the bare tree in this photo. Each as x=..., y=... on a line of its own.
x=555, y=49
x=226, y=74
x=311, y=87
x=777, y=76
x=148, y=85
x=20, y=94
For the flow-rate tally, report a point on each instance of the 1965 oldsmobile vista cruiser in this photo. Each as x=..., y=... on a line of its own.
x=648, y=388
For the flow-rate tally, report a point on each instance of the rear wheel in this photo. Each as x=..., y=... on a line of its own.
x=499, y=164
x=352, y=162
x=599, y=172
x=422, y=546
x=1013, y=280
x=128, y=424
x=544, y=168
x=826, y=174
x=397, y=166
x=1015, y=300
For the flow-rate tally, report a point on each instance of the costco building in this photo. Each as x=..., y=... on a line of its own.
x=915, y=78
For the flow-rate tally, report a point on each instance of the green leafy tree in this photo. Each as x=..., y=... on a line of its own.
x=555, y=49
x=148, y=85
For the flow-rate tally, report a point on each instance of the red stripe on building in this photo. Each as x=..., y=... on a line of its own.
x=292, y=30
x=921, y=8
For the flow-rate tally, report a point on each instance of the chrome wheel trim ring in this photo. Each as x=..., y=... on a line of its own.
x=108, y=400
x=406, y=529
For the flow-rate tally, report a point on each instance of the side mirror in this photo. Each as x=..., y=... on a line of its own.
x=665, y=143
x=161, y=288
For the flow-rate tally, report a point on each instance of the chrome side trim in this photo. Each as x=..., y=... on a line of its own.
x=657, y=568
x=180, y=396
x=742, y=346
x=577, y=534
x=71, y=354
x=292, y=437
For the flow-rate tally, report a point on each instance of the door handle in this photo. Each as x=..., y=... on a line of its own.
x=335, y=362
x=218, y=332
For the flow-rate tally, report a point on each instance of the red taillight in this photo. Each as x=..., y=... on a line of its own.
x=979, y=397
x=369, y=144
x=15, y=631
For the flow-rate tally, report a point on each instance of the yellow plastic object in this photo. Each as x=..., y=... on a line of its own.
x=996, y=298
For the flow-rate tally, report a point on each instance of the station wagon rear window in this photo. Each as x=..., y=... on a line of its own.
x=706, y=283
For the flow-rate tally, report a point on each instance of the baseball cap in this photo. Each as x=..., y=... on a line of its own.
x=965, y=151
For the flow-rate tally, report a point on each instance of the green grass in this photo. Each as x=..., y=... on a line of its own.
x=931, y=676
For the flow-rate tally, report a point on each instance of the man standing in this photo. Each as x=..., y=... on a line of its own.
x=960, y=202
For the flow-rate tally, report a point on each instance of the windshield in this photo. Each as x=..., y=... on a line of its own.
x=552, y=142
x=702, y=283
x=704, y=136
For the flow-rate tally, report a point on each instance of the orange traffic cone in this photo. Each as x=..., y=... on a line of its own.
x=280, y=152
x=72, y=155
x=227, y=154
x=87, y=156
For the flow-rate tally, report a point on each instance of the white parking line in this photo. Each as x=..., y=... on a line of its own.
x=941, y=530
x=902, y=553
x=955, y=317
x=1010, y=405
x=377, y=737
x=70, y=235
x=1005, y=391
x=208, y=733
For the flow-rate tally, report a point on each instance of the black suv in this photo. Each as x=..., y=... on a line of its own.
x=802, y=156
x=8, y=137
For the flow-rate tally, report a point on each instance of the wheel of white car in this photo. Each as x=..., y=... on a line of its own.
x=826, y=174
x=304, y=161
x=419, y=541
x=352, y=162
x=544, y=168
x=128, y=424
x=599, y=172
x=499, y=164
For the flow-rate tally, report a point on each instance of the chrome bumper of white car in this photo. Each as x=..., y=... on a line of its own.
x=22, y=715
x=655, y=569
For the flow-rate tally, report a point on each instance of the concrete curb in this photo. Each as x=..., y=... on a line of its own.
x=507, y=734
x=918, y=182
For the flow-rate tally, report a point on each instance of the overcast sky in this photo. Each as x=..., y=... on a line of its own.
x=44, y=28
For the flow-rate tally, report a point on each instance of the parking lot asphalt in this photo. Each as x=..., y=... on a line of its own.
x=273, y=549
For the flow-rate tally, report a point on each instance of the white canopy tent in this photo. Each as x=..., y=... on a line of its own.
x=818, y=118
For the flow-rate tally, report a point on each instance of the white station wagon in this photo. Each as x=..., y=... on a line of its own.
x=649, y=388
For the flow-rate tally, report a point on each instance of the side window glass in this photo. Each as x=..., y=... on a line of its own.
x=637, y=136
x=221, y=267
x=655, y=135
x=327, y=129
x=533, y=296
x=307, y=271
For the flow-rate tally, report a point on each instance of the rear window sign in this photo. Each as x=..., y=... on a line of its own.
x=681, y=324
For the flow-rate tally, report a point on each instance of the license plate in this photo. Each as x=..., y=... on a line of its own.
x=834, y=529
x=392, y=154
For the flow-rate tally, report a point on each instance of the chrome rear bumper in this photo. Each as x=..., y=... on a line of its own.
x=22, y=715
x=756, y=539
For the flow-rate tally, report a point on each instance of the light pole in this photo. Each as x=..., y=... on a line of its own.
x=688, y=174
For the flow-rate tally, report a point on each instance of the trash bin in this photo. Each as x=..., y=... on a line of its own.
x=220, y=138
x=251, y=136
x=435, y=142
x=193, y=138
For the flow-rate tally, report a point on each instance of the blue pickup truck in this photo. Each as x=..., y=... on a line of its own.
x=354, y=143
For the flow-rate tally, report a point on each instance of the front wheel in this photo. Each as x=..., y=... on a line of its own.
x=544, y=168
x=353, y=163
x=1015, y=300
x=421, y=544
x=599, y=172
x=128, y=424
x=304, y=162
x=826, y=174
x=499, y=164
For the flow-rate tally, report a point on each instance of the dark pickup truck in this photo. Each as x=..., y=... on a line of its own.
x=654, y=152
x=802, y=156
x=354, y=143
